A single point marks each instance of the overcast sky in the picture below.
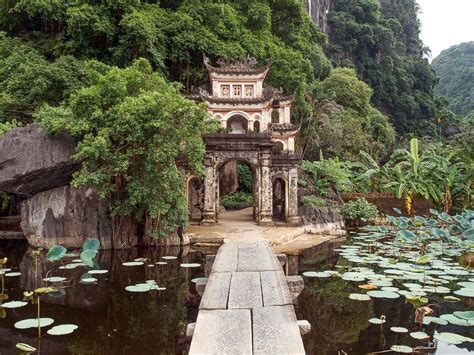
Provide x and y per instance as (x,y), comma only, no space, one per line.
(446,23)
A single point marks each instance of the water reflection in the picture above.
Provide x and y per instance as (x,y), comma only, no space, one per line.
(340,325)
(111,320)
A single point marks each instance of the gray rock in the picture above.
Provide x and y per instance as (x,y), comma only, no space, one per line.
(319,215)
(65,216)
(31,161)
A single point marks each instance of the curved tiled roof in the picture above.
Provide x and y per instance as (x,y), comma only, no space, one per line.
(245,66)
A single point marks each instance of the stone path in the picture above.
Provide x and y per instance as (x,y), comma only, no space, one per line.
(246,307)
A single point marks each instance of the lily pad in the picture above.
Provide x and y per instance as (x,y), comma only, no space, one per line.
(452,338)
(12,274)
(54,279)
(142,287)
(383,294)
(161,263)
(33,323)
(97,272)
(376,321)
(451,299)
(466,292)
(190,265)
(196,279)
(419,335)
(466,284)
(359,297)
(467,315)
(62,329)
(401,349)
(88,280)
(14,304)
(132,263)
(451,318)
(25,347)
(399,330)
(169,257)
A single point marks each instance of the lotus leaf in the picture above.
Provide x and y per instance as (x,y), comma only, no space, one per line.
(14,304)
(406,234)
(469,234)
(427,320)
(87,256)
(54,279)
(383,294)
(132,263)
(88,280)
(451,299)
(12,274)
(91,244)
(186,265)
(466,292)
(419,335)
(452,338)
(359,297)
(56,253)
(95,272)
(33,323)
(451,318)
(376,321)
(161,263)
(467,315)
(62,329)
(401,349)
(44,290)
(25,347)
(169,257)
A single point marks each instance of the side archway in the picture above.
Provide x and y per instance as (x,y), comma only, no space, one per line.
(279,199)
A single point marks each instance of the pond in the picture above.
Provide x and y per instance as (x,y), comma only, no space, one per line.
(110,319)
(341,325)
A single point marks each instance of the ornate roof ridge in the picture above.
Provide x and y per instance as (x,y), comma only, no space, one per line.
(246,65)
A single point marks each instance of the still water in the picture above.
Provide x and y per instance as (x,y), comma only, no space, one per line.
(111,320)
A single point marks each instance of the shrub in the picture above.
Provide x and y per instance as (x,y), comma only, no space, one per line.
(315,201)
(359,209)
(237,201)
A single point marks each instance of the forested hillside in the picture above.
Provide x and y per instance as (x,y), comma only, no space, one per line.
(455,69)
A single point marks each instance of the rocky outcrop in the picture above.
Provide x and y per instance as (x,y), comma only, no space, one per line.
(32,162)
(318,11)
(321,217)
(228,178)
(65,216)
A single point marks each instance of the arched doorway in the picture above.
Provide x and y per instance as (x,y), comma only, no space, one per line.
(195,198)
(256,126)
(277,148)
(237,124)
(279,199)
(237,189)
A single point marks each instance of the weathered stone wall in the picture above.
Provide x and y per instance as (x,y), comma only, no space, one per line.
(32,162)
(65,216)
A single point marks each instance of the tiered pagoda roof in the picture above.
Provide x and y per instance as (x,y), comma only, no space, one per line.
(242,66)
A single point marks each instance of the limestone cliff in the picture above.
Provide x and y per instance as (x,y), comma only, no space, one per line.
(318,10)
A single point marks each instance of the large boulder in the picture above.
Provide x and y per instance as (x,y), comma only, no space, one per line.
(31,161)
(65,216)
(319,216)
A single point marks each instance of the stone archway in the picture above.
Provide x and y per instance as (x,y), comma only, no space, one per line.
(255,150)
(237,124)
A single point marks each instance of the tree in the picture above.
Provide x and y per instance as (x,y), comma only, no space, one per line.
(132,126)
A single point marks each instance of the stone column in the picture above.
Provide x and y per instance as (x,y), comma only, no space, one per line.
(266,190)
(250,125)
(209,210)
(293,217)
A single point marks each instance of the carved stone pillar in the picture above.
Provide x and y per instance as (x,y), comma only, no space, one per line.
(293,217)
(209,210)
(266,190)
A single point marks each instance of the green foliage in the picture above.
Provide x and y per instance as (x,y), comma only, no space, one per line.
(314,200)
(132,126)
(245,178)
(381,40)
(328,174)
(359,209)
(455,69)
(8,125)
(237,200)
(342,85)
